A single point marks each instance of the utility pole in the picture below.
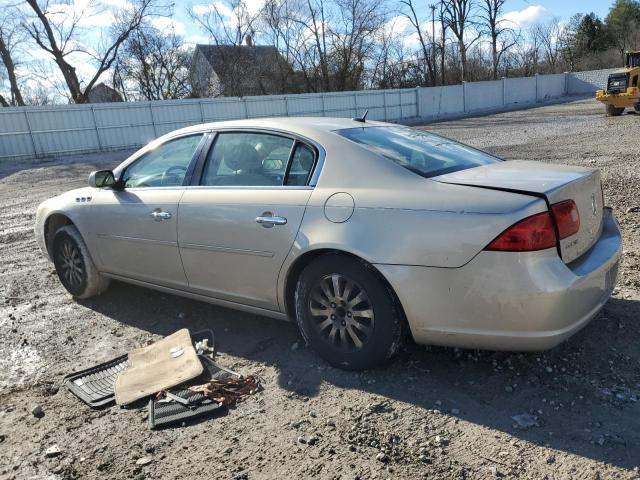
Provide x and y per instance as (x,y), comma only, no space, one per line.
(443,26)
(433,40)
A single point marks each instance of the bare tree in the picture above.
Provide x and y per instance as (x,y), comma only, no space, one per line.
(11,36)
(459,16)
(61,38)
(227,22)
(153,65)
(424,40)
(501,36)
(6,45)
(546,35)
(443,41)
(314,19)
(353,40)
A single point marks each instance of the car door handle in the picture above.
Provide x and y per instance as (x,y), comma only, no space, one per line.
(158,215)
(270,221)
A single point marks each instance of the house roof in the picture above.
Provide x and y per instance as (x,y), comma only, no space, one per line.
(246,69)
(225,58)
(102,93)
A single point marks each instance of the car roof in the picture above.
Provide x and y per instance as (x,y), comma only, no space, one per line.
(298,125)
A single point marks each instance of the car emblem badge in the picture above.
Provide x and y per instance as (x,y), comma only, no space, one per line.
(594,207)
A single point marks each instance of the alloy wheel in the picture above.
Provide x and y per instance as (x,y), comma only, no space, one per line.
(71,264)
(342,312)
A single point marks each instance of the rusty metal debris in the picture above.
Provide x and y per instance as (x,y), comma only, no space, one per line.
(228,391)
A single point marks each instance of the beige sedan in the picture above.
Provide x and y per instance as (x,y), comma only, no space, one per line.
(357,230)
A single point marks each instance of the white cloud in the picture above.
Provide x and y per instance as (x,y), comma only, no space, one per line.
(165,23)
(202,9)
(85,12)
(526,17)
(224,9)
(193,40)
(400,27)
(254,6)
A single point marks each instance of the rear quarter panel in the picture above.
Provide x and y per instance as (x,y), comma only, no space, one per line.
(398,216)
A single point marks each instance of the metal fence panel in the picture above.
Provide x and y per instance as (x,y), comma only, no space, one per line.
(483,95)
(266,106)
(216,110)
(340,104)
(51,130)
(15,139)
(306,105)
(520,90)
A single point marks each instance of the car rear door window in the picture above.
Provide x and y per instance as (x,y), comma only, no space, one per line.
(164,166)
(247,159)
(301,165)
(421,152)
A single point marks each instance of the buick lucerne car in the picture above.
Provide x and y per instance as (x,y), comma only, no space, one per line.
(357,230)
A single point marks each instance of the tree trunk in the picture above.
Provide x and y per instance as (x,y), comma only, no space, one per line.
(463,60)
(442,58)
(494,54)
(5,54)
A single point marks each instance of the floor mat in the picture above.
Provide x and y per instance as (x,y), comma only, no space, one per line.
(159,366)
(166,413)
(192,405)
(94,386)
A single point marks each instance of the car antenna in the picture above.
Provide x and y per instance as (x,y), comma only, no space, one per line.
(361,119)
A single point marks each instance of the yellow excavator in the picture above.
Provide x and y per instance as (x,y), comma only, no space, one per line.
(622,87)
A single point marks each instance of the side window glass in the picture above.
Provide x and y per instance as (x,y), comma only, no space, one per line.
(164,166)
(301,165)
(247,159)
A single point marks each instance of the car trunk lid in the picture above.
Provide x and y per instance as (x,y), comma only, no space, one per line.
(555,183)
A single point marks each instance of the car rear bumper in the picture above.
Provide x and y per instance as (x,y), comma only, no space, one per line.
(508,301)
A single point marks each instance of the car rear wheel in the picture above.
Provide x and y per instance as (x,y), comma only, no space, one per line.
(614,111)
(347,313)
(74,266)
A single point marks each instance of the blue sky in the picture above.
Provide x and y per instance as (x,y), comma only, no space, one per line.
(564,8)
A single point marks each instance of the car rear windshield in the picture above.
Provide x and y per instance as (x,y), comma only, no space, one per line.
(421,152)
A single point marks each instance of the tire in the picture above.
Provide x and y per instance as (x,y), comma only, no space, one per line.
(614,111)
(330,323)
(74,266)
(636,107)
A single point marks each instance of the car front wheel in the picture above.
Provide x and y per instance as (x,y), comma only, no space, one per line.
(74,266)
(347,313)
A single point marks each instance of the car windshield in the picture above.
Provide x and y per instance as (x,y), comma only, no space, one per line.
(421,152)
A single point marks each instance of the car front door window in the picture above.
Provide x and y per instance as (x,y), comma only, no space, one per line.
(247,159)
(165,166)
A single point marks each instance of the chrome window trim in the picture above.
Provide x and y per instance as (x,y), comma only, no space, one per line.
(320,151)
(119,170)
(249,187)
(313,181)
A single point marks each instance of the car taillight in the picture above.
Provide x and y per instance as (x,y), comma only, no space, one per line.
(533,233)
(567,218)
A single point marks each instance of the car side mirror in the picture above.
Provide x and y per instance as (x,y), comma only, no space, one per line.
(102,179)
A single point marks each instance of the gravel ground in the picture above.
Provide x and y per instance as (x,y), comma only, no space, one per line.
(431,413)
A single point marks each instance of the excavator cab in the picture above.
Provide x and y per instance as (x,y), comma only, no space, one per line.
(623,89)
